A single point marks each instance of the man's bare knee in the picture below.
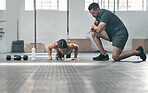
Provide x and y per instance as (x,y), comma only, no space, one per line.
(94,34)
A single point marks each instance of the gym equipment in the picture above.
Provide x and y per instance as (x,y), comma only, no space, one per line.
(16,57)
(17,46)
(68,21)
(35,24)
(68,56)
(25,57)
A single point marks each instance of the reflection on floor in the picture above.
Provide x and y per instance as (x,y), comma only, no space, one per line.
(82,76)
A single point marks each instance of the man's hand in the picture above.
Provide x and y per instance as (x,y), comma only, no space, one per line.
(92,30)
(96,23)
(94,26)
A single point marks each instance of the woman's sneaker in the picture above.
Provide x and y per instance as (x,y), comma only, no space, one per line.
(141,53)
(68,56)
(101,57)
(59,56)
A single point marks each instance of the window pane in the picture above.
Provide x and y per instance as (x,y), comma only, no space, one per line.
(45,6)
(104,4)
(41,4)
(123,5)
(62,5)
(87,2)
(53,4)
(29,4)
(135,4)
(132,5)
(2,4)
(113,5)
(119,5)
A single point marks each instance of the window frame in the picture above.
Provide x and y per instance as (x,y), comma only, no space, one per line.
(50,6)
(116,6)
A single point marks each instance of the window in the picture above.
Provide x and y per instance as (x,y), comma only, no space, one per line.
(106,4)
(119,5)
(60,5)
(3,5)
(46,4)
(136,5)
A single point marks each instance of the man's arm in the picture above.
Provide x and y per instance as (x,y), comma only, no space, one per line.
(98,28)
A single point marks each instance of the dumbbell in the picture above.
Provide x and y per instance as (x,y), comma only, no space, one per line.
(16,57)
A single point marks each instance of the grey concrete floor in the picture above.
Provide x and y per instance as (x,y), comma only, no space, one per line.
(82,76)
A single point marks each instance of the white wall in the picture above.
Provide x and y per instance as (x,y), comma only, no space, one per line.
(10,27)
(51,25)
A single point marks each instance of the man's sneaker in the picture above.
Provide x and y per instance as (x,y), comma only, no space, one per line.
(101,57)
(141,53)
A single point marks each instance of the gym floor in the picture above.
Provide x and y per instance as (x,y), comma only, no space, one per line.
(82,76)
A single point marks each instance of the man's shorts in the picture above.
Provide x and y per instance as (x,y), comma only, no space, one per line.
(119,40)
(119,37)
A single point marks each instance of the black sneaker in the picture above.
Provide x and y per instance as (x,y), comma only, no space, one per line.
(141,53)
(68,56)
(59,56)
(101,58)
